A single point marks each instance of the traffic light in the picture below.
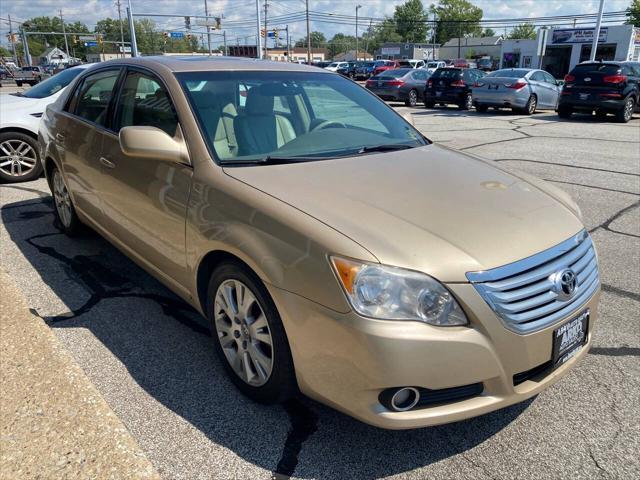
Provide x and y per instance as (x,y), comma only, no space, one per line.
(218,23)
(188,37)
(99,38)
(275,33)
(165,35)
(74,39)
(262,33)
(187,23)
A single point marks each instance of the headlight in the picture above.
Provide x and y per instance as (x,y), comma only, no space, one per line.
(390,293)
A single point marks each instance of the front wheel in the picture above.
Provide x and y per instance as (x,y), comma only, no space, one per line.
(19,159)
(412,100)
(248,334)
(481,108)
(19,84)
(429,104)
(624,115)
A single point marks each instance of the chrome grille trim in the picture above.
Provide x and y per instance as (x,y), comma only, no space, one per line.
(522,293)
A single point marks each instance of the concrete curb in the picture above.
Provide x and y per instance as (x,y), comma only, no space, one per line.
(54,423)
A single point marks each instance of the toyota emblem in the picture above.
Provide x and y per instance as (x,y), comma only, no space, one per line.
(564,283)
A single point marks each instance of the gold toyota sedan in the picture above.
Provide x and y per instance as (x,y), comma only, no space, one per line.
(333,248)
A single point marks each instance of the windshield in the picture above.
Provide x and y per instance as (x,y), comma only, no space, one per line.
(432,65)
(249,116)
(333,65)
(53,84)
(509,73)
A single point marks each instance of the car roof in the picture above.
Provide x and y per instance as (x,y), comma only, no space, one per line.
(197,63)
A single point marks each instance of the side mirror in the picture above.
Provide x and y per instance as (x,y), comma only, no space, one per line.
(151,142)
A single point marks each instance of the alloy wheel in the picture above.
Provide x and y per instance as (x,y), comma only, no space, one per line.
(628,109)
(17,158)
(413,98)
(469,102)
(243,332)
(533,103)
(62,199)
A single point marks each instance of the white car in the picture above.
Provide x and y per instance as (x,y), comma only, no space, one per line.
(336,65)
(434,65)
(19,119)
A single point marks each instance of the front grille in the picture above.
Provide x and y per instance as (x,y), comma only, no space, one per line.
(526,294)
(522,377)
(431,398)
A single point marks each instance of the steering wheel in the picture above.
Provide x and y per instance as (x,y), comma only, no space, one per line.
(328,124)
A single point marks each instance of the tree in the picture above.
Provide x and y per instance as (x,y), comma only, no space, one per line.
(39,43)
(317,40)
(524,30)
(410,19)
(633,13)
(341,43)
(488,32)
(4,52)
(456,18)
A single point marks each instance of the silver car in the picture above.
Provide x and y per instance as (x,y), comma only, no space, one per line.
(522,89)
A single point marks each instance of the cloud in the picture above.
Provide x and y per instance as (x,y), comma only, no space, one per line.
(90,11)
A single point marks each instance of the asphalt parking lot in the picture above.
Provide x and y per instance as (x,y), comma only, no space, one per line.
(149,354)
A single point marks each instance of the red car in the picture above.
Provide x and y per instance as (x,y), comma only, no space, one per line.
(383,65)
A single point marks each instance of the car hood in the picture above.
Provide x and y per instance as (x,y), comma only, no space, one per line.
(12,103)
(428,209)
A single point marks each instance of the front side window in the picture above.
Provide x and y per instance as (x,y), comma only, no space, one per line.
(291,115)
(144,102)
(94,96)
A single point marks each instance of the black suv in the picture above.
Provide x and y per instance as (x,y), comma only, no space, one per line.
(451,85)
(350,69)
(603,87)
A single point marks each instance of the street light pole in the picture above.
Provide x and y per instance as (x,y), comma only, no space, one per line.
(121,29)
(132,30)
(66,43)
(258,37)
(308,34)
(596,33)
(358,7)
(206,14)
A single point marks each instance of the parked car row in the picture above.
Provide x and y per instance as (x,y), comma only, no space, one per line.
(601,87)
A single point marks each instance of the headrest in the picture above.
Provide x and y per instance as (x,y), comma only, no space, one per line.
(259,101)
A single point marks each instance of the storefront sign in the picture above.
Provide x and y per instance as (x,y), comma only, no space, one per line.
(390,51)
(578,35)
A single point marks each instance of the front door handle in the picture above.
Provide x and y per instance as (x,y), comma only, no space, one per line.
(59,137)
(107,163)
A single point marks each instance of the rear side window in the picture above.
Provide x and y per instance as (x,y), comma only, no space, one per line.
(145,102)
(94,96)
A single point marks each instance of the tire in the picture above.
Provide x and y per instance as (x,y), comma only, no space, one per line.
(266,387)
(481,108)
(412,99)
(467,103)
(564,112)
(601,115)
(625,114)
(429,104)
(19,84)
(530,107)
(65,211)
(19,158)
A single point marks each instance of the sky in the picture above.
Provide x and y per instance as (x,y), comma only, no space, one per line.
(90,11)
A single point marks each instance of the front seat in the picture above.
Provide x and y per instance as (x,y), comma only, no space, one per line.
(259,129)
(217,118)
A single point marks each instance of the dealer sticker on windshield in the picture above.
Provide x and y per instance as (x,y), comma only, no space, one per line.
(569,338)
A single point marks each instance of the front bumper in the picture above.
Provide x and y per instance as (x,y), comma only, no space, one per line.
(346,361)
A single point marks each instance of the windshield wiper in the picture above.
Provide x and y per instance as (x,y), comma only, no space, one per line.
(272,160)
(386,148)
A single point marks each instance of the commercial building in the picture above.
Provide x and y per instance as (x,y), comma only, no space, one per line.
(472,47)
(406,51)
(566,47)
(297,54)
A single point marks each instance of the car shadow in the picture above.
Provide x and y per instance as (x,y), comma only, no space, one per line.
(165,347)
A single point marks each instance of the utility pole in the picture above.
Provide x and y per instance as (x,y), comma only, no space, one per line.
(66,43)
(121,28)
(25,46)
(435,31)
(224,37)
(358,7)
(13,43)
(258,37)
(459,36)
(266,32)
(132,30)
(366,46)
(286,29)
(308,34)
(596,33)
(206,14)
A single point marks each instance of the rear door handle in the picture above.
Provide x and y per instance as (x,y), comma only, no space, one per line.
(59,137)
(107,163)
